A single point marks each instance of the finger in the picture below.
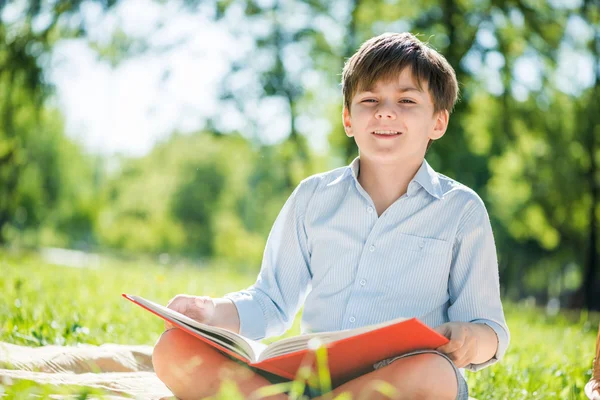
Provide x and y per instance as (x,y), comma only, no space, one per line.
(469,355)
(193,307)
(450,347)
(202,301)
(200,308)
(457,340)
(457,355)
(460,356)
(176,300)
(179,304)
(442,330)
(462,361)
(173,300)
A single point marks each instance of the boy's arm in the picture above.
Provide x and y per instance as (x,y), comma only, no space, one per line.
(474,287)
(226,315)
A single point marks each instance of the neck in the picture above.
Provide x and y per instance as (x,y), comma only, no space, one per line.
(386,183)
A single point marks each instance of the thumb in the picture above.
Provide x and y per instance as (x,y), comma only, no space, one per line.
(199,301)
(204,303)
(202,310)
(443,330)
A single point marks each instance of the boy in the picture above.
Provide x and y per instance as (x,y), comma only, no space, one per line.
(383,238)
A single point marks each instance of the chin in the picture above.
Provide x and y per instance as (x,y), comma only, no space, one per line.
(393,157)
(389,158)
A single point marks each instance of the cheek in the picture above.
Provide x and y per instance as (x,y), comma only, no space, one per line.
(418,119)
(361,115)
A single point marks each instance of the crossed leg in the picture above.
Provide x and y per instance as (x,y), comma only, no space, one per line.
(193,370)
(422,376)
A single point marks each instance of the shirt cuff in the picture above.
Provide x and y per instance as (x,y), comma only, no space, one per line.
(252,320)
(503,339)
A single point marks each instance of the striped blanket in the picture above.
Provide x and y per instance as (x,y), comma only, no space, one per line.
(118,371)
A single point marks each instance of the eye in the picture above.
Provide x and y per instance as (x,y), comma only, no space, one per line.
(407,101)
(369,101)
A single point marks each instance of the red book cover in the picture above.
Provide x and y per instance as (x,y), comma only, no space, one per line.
(347,357)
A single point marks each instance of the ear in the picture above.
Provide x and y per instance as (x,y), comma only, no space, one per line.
(441,124)
(347,123)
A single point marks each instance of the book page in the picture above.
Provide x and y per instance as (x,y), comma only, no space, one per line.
(247,348)
(298,343)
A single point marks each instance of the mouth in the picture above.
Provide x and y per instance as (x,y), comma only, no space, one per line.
(386,133)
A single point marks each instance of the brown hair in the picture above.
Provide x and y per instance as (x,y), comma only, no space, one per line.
(384,57)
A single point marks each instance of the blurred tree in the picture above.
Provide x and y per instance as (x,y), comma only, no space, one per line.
(338,139)
(590,127)
(547,161)
(71,180)
(54,196)
(274,73)
(196,201)
(184,197)
(24,40)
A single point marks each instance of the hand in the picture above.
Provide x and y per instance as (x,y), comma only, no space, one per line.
(199,308)
(463,346)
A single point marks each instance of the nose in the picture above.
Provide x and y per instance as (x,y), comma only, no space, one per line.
(384,111)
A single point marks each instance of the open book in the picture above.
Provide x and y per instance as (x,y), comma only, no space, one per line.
(349,352)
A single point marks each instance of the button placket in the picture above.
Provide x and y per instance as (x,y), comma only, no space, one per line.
(363,267)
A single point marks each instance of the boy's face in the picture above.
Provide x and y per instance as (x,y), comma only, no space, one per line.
(400,107)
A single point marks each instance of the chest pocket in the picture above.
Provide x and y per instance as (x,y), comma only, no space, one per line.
(421,245)
(419,266)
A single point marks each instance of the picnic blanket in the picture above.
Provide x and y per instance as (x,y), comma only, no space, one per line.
(123,372)
(120,371)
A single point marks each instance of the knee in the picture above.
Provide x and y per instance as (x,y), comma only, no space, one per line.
(431,362)
(432,376)
(165,350)
(172,355)
(184,364)
(162,356)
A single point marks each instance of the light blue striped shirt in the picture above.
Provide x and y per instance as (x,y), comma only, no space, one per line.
(430,255)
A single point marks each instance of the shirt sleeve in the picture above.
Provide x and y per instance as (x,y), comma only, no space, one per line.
(268,307)
(474,284)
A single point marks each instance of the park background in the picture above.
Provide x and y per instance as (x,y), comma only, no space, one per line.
(147,147)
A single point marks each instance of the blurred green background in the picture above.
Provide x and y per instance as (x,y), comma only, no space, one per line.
(207,183)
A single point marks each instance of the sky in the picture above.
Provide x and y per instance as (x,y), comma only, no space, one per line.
(127,108)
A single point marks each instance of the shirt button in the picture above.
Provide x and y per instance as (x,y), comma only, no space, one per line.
(363,282)
(422,244)
(369,209)
(352,319)
(372,248)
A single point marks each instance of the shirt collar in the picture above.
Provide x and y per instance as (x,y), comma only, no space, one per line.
(425,176)
(429,180)
(355,167)
(350,171)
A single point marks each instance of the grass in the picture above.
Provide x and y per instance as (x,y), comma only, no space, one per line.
(549,357)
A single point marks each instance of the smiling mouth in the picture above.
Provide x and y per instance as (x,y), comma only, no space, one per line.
(386,133)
